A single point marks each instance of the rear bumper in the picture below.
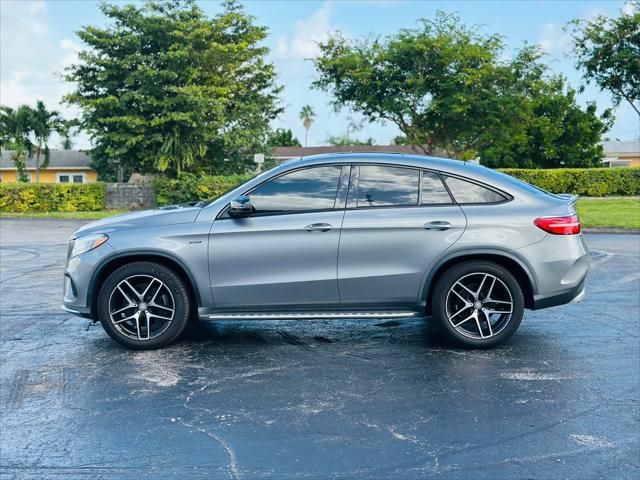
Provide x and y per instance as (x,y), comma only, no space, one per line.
(561,265)
(572,295)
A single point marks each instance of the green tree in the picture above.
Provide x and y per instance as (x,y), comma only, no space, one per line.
(282,137)
(607,50)
(447,87)
(347,138)
(67,129)
(399,140)
(551,131)
(343,141)
(307,115)
(166,88)
(15,133)
(44,123)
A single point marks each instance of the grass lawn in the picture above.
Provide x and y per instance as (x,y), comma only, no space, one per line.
(618,212)
(65,215)
(612,212)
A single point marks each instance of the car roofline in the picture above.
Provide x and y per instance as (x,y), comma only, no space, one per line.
(447,165)
(454,167)
(374,157)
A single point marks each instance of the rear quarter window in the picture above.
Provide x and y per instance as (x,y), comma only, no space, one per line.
(464,191)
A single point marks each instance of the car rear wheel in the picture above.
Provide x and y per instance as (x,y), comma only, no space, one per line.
(144,305)
(478,304)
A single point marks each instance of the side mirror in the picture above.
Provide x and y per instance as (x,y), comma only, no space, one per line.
(240,207)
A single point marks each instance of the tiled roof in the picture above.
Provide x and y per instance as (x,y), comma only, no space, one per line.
(628,146)
(58,158)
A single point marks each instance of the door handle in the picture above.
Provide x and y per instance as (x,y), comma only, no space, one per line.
(318,227)
(437,225)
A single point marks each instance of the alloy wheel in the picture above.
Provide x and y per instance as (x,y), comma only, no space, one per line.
(141,307)
(479,305)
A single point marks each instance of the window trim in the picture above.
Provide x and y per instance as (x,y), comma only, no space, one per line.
(507,197)
(352,169)
(354,186)
(223,215)
(356,193)
(71,175)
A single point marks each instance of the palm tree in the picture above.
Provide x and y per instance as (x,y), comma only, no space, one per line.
(307,115)
(67,129)
(179,151)
(15,131)
(44,123)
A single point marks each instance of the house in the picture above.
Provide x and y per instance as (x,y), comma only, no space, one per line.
(621,154)
(282,154)
(65,166)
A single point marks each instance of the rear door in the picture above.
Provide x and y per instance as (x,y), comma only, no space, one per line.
(398,221)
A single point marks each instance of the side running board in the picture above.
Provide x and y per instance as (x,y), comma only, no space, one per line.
(306,315)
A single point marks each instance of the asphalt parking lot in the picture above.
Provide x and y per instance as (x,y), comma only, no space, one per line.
(317,399)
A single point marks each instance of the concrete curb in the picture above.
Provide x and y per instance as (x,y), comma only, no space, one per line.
(615,231)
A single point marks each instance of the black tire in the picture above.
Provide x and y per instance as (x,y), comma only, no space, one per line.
(469,334)
(172,295)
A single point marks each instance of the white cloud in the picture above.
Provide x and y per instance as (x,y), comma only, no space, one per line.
(71,51)
(37,7)
(307,33)
(554,39)
(31,61)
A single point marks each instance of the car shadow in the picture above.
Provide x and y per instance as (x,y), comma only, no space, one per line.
(314,332)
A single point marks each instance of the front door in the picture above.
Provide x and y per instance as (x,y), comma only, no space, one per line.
(398,222)
(286,253)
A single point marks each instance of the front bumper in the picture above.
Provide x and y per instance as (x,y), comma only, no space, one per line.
(78,274)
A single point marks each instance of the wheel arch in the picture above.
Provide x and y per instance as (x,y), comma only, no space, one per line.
(120,259)
(514,264)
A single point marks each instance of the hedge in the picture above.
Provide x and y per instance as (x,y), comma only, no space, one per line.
(188,187)
(56,197)
(52,197)
(592,182)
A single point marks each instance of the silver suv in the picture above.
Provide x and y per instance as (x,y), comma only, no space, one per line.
(336,236)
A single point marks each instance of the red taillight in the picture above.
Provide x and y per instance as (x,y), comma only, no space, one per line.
(569,225)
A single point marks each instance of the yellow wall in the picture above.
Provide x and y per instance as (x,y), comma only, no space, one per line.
(49,175)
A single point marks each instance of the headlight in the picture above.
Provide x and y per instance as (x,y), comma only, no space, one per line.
(84,244)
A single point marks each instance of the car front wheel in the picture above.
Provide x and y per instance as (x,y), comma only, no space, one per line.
(144,305)
(478,304)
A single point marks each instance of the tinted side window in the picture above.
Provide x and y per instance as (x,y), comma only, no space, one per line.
(307,189)
(433,191)
(380,186)
(467,192)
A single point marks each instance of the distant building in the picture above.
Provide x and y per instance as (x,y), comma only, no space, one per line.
(65,166)
(621,154)
(282,154)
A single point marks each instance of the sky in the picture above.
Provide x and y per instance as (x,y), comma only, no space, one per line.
(38,41)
